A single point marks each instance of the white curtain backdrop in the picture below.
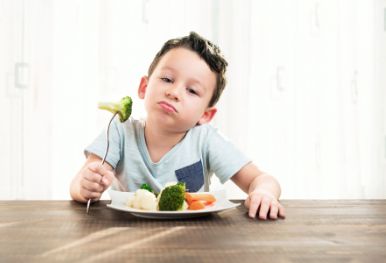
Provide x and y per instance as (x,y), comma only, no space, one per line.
(305,98)
(307,94)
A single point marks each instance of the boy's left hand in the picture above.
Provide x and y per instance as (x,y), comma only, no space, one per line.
(263,204)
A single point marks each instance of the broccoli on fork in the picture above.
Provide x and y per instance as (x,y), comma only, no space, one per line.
(123,107)
(172,198)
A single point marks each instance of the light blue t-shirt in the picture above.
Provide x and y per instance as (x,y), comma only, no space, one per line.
(200,154)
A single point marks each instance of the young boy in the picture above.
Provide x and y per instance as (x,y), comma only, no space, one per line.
(175,142)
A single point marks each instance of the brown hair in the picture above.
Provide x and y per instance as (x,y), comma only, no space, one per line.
(206,50)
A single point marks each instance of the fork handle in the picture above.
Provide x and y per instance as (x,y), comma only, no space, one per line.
(104,157)
(107,138)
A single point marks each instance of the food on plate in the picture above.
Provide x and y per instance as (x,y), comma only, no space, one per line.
(196,205)
(143,199)
(197,201)
(205,197)
(147,187)
(123,107)
(173,197)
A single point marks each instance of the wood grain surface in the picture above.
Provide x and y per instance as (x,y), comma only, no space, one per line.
(314,231)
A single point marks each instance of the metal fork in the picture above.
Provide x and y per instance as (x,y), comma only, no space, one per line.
(104,157)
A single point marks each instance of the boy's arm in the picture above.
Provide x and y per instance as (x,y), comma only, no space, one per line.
(263,192)
(92,180)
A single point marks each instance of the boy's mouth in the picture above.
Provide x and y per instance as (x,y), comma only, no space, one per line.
(167,107)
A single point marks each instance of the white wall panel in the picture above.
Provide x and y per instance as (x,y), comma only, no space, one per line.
(25,100)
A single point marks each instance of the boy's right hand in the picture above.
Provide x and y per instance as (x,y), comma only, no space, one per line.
(94,180)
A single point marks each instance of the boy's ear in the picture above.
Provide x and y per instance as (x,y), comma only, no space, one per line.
(142,87)
(208,115)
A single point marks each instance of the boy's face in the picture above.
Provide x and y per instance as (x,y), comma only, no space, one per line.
(178,92)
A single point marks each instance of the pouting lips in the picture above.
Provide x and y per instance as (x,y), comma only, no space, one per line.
(167,107)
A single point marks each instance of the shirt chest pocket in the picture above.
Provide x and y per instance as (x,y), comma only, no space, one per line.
(192,175)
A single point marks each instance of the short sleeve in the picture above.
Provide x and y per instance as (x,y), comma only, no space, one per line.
(98,146)
(223,158)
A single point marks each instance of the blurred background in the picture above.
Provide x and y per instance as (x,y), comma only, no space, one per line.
(306,97)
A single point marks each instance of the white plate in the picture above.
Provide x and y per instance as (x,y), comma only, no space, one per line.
(119,202)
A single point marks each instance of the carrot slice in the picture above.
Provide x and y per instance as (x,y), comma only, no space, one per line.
(188,198)
(207,198)
(196,205)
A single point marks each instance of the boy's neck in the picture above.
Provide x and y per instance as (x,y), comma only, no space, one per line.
(160,142)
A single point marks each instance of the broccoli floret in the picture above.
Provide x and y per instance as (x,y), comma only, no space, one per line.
(147,187)
(123,108)
(172,197)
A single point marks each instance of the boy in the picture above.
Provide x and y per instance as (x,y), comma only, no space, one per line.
(174,142)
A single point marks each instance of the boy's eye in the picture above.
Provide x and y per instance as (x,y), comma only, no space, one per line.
(167,80)
(192,91)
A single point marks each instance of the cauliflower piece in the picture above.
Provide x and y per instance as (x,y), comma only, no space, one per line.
(143,199)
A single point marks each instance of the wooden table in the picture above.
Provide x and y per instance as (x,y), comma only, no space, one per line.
(314,231)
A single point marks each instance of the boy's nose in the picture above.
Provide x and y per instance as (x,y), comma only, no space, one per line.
(173,93)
